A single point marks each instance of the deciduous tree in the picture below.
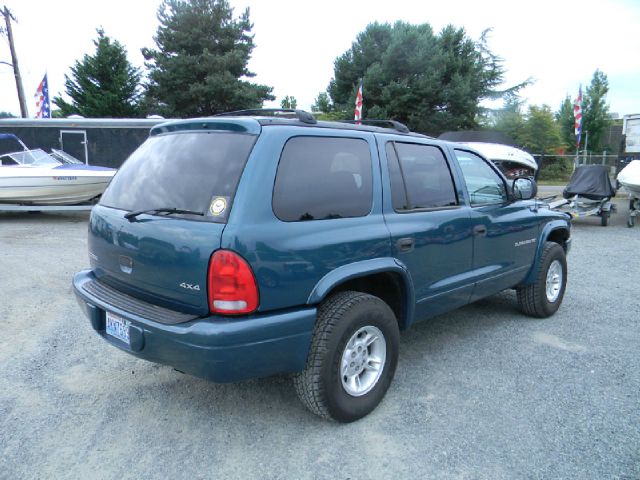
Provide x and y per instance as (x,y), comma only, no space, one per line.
(541,132)
(510,119)
(323,103)
(289,102)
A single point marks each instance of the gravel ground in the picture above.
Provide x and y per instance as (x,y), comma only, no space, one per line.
(482,392)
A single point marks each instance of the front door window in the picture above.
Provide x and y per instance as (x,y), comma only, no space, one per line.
(484,185)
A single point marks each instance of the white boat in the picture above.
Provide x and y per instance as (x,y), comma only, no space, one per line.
(512,161)
(35,177)
(629,178)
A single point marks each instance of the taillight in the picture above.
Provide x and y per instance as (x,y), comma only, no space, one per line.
(232,287)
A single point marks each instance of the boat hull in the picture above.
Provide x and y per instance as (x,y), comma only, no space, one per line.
(33,186)
(631,188)
(629,178)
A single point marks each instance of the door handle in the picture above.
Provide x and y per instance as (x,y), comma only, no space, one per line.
(480,230)
(405,244)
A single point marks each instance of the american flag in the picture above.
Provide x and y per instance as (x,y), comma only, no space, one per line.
(577,114)
(357,116)
(43,108)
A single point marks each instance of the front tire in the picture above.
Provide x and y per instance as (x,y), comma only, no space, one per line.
(352,359)
(543,298)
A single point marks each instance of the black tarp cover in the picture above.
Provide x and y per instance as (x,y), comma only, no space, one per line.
(590,181)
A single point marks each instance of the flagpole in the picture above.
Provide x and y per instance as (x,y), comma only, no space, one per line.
(577,115)
(357,116)
(586,146)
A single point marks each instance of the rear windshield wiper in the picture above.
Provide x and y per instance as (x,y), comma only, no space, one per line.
(131,216)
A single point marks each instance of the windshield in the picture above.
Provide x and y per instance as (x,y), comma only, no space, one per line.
(186,171)
(37,157)
(64,157)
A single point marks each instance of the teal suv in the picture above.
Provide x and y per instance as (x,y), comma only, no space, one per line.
(266,242)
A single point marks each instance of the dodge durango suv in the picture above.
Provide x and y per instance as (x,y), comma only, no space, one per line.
(252,244)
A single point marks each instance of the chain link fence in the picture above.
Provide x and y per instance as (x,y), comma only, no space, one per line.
(558,168)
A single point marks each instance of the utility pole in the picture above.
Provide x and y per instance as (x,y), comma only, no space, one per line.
(8,16)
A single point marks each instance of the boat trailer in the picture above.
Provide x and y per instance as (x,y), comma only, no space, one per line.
(578,207)
(634,210)
(589,192)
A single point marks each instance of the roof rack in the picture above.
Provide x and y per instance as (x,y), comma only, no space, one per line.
(301,115)
(400,127)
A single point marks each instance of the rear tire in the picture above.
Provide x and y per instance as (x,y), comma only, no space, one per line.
(345,377)
(543,298)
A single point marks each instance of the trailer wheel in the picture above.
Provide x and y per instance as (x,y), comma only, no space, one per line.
(604,217)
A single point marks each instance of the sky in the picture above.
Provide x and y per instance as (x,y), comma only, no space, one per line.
(559,44)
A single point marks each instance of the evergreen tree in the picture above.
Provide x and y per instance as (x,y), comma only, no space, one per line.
(102,85)
(595,113)
(432,82)
(201,59)
(566,125)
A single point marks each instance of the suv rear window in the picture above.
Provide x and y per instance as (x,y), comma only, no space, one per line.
(323,177)
(181,170)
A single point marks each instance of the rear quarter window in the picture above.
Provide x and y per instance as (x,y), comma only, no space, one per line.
(321,178)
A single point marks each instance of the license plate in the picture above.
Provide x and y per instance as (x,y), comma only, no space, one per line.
(118,328)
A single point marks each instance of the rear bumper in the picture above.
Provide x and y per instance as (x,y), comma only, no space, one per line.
(220,349)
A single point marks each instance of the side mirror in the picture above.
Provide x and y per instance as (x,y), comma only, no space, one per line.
(524,188)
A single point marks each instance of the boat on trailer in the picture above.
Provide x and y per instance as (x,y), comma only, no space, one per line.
(34,177)
(589,192)
(629,178)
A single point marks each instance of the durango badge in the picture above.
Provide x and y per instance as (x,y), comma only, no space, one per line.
(218,206)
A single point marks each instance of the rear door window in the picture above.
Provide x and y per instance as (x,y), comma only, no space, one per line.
(321,178)
(196,171)
(420,177)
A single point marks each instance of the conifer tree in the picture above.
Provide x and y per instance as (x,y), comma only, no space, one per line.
(102,85)
(199,67)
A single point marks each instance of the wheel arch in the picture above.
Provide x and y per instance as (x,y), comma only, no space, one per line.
(386,278)
(557,231)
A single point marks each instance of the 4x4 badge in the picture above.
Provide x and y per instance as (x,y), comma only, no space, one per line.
(189,286)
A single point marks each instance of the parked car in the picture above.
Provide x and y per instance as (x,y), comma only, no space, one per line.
(244,246)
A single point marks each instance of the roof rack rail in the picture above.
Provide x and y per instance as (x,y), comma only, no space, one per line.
(301,115)
(400,127)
